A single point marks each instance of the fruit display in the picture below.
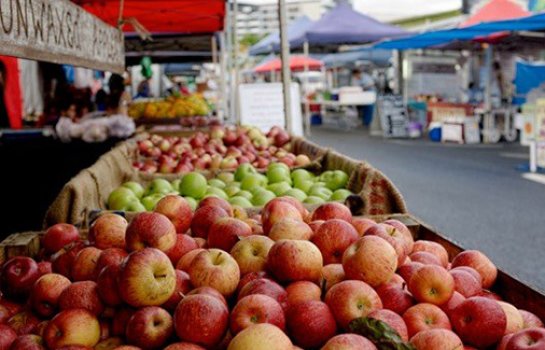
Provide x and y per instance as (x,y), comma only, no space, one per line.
(223,148)
(170,107)
(245,187)
(219,277)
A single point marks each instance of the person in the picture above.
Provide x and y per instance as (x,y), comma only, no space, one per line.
(143,90)
(363,79)
(4,118)
(118,99)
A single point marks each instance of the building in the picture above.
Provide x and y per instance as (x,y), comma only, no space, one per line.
(262,19)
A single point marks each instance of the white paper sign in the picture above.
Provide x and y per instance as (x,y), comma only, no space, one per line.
(262,105)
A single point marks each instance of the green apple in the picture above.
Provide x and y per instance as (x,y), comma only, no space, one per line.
(300,175)
(320,191)
(192,203)
(251,181)
(226,177)
(176,185)
(279,188)
(135,187)
(314,200)
(278,174)
(118,195)
(245,194)
(160,186)
(262,198)
(150,201)
(243,170)
(136,206)
(121,203)
(304,185)
(334,179)
(193,185)
(296,193)
(231,190)
(340,195)
(216,183)
(278,165)
(240,201)
(214,191)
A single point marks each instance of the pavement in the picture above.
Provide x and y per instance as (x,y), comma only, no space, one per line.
(473,194)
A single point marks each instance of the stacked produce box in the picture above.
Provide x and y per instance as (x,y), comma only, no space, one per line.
(282,245)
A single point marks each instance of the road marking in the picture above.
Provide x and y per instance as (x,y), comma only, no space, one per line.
(515,155)
(534,177)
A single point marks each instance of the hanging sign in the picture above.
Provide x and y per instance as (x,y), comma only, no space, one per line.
(59,32)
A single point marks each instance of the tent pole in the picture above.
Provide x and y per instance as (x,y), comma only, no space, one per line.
(285,58)
(214,48)
(228,63)
(235,63)
(488,96)
(223,82)
(305,84)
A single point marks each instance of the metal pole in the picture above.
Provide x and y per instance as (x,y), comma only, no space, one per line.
(487,123)
(223,81)
(305,96)
(214,46)
(285,57)
(235,64)
(228,63)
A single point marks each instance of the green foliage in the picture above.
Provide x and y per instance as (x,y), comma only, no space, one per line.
(382,335)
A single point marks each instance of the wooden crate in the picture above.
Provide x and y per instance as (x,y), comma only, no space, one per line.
(25,243)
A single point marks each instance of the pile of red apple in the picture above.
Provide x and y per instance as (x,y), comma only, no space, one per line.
(286,279)
(224,148)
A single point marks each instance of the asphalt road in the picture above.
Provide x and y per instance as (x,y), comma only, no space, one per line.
(474,194)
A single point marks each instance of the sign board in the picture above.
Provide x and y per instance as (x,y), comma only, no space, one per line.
(262,105)
(59,32)
(540,136)
(393,116)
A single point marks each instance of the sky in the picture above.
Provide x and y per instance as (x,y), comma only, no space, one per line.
(387,10)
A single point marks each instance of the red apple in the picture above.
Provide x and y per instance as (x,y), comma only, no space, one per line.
(290,200)
(151,230)
(177,210)
(393,320)
(362,224)
(301,291)
(394,297)
(331,275)
(351,299)
(217,269)
(45,267)
(433,339)
(267,287)
(120,320)
(254,309)
(295,260)
(407,270)
(267,336)
(72,327)
(249,277)
(434,248)
(465,283)
(528,339)
(349,342)
(210,292)
(82,295)
(63,260)
(186,259)
(7,336)
(85,263)
(278,210)
(147,278)
(455,300)
(311,323)
(431,284)
(198,312)
(425,258)
(226,232)
(184,346)
(370,259)
(183,286)
(251,253)
(45,294)
(204,218)
(27,342)
(480,262)
(530,320)
(314,225)
(214,201)
(393,236)
(17,276)
(23,322)
(59,235)
(184,244)
(149,327)
(107,286)
(479,321)
(108,231)
(332,210)
(332,238)
(290,229)
(110,256)
(425,316)
(515,322)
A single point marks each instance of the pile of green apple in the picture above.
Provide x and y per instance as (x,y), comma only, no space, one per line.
(246,187)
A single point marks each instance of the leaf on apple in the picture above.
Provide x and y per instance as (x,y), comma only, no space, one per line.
(381,334)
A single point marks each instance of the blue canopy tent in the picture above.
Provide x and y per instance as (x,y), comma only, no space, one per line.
(378,57)
(345,26)
(529,75)
(478,31)
(271,43)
